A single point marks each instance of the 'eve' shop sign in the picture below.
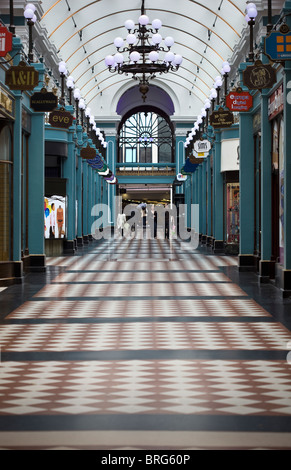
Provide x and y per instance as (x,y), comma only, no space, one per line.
(21,77)
(61,119)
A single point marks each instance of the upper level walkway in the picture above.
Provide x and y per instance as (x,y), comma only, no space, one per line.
(141,344)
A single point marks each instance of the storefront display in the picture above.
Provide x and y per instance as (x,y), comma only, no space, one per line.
(55,217)
(281,192)
(276,107)
(232,213)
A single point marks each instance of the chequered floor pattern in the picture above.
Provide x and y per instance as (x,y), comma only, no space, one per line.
(140,339)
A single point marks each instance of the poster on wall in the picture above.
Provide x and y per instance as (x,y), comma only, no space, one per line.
(55,217)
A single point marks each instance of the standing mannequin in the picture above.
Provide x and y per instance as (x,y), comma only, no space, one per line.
(60,221)
(52,222)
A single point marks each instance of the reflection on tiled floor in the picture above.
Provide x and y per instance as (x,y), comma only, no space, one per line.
(142,345)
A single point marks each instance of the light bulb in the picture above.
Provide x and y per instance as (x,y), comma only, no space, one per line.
(129,24)
(178,59)
(157,38)
(30,6)
(82,104)
(252,13)
(62,68)
(154,56)
(169,57)
(143,20)
(131,39)
(135,56)
(226,67)
(109,60)
(169,41)
(156,24)
(28,14)
(77,94)
(119,59)
(118,42)
(70,84)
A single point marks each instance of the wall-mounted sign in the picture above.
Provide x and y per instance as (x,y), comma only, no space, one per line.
(278,44)
(276,103)
(221,118)
(239,100)
(5,41)
(61,118)
(259,76)
(43,101)
(181,177)
(21,77)
(88,153)
(202,146)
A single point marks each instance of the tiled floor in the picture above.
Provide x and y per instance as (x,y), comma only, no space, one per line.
(142,345)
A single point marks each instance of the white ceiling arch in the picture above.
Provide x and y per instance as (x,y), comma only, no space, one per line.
(205,33)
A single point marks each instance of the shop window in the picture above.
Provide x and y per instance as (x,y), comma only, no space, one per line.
(5,194)
(232,213)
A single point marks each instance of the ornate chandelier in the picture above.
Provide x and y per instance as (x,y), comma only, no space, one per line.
(143,45)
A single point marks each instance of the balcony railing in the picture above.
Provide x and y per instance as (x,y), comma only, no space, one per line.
(149,169)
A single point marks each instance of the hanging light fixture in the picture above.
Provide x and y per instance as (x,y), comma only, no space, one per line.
(143,45)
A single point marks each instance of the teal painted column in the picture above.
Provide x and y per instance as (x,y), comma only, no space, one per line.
(85,194)
(204,199)
(17,187)
(218,197)
(17,157)
(209,232)
(200,199)
(79,186)
(246,260)
(90,201)
(286,284)
(69,168)
(36,167)
(111,157)
(265,264)
(180,157)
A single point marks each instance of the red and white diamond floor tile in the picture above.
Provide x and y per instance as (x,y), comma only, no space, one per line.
(140,290)
(140,336)
(161,387)
(138,308)
(154,387)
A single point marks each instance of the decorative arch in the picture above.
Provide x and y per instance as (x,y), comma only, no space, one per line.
(157,97)
(146,135)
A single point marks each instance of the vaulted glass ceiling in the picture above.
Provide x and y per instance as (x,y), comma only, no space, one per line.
(205,34)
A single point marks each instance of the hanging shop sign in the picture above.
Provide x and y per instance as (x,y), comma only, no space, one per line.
(276,103)
(221,118)
(278,44)
(259,76)
(202,146)
(21,77)
(61,119)
(43,101)
(196,161)
(239,101)
(88,153)
(5,41)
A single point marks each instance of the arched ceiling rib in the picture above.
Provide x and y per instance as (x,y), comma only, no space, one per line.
(205,33)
